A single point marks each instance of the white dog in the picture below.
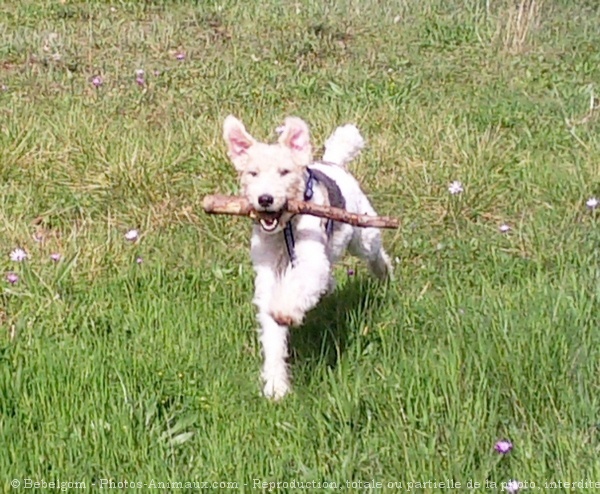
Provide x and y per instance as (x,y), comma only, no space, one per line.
(293,255)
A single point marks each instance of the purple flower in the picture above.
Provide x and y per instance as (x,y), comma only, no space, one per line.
(139,77)
(180,56)
(503,447)
(512,486)
(97,81)
(55,257)
(12,278)
(350,272)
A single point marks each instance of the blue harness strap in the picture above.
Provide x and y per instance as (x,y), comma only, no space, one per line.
(288,235)
(288,232)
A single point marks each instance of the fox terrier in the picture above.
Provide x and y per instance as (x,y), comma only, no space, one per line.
(293,255)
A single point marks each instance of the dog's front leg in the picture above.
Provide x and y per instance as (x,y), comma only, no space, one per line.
(303,283)
(273,337)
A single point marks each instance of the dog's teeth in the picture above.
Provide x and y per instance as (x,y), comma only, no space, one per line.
(269,225)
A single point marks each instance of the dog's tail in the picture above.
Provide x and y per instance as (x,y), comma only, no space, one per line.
(343,145)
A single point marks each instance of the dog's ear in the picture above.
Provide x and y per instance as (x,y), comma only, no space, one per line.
(296,137)
(238,141)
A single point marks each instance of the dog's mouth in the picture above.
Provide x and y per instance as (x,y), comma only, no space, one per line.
(268,221)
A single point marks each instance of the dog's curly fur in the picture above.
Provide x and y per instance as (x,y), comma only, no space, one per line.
(270,175)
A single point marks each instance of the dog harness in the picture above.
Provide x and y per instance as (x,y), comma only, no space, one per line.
(335,199)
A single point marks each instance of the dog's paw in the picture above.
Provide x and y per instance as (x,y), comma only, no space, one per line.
(276,387)
(287,318)
(285,310)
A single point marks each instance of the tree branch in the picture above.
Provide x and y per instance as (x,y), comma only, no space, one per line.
(239,206)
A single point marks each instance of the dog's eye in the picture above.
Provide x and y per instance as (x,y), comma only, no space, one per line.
(283,173)
(252,174)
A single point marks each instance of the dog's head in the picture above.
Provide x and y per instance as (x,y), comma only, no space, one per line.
(270,174)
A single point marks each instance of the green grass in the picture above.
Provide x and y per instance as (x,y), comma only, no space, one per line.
(111,369)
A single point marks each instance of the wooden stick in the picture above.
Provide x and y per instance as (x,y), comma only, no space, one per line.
(239,206)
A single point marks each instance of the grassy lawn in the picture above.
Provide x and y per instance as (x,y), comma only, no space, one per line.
(138,361)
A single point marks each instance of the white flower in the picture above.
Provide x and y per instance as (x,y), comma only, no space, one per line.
(139,73)
(455,187)
(280,129)
(592,203)
(512,487)
(397,19)
(18,255)
(504,228)
(132,235)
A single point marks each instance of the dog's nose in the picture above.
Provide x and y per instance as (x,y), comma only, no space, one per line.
(265,200)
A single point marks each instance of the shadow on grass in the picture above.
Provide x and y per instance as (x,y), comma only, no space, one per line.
(335,322)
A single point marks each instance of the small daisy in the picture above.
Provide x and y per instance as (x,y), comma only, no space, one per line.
(18,255)
(97,81)
(397,19)
(139,73)
(455,187)
(132,235)
(180,56)
(512,487)
(139,260)
(592,203)
(55,257)
(504,228)
(12,278)
(503,446)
